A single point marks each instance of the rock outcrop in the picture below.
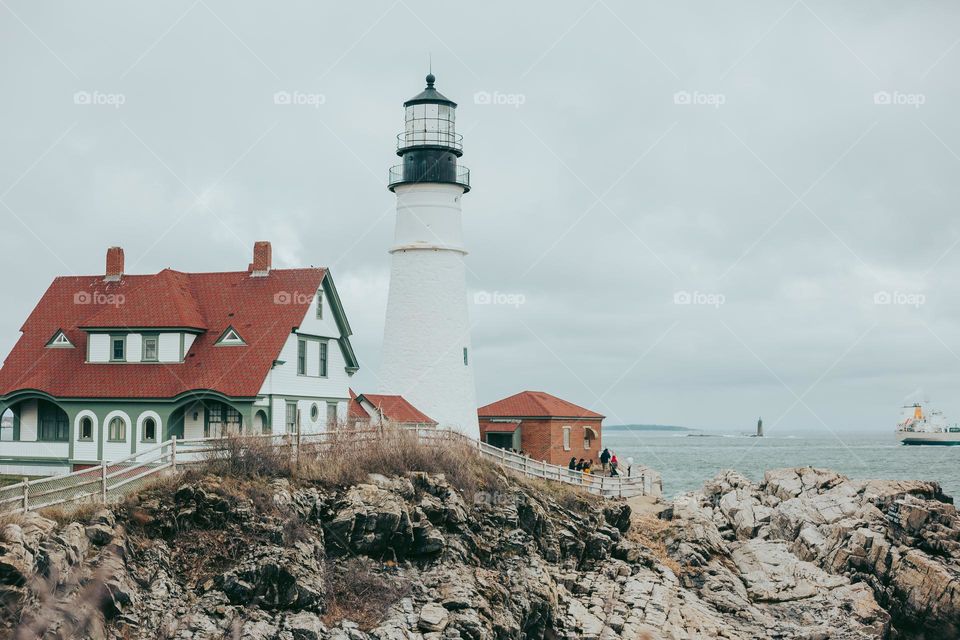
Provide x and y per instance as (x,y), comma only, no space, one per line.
(806,554)
(810,531)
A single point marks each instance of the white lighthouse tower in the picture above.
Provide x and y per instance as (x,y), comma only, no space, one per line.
(426,341)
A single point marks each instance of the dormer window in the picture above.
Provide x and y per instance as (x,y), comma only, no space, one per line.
(151,349)
(118,348)
(230,338)
(60,341)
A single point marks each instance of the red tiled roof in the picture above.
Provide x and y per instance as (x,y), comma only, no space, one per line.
(396,409)
(207,301)
(163,300)
(354,410)
(535,404)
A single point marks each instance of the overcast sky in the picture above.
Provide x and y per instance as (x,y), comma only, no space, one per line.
(790,168)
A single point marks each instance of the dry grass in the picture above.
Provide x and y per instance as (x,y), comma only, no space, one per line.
(568,496)
(71,512)
(348,460)
(245,457)
(649,531)
(360,592)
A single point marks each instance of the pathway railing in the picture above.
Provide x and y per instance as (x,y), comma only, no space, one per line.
(114,479)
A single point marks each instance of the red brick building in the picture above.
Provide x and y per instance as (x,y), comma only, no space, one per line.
(543,426)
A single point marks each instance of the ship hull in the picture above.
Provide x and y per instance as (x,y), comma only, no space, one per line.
(919,438)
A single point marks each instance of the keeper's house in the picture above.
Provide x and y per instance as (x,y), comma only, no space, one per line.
(107,365)
(543,426)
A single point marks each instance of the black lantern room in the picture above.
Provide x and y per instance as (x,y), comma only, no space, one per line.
(430,144)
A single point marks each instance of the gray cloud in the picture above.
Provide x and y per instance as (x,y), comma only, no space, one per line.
(782,185)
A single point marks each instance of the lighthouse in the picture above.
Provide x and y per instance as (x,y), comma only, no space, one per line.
(426,339)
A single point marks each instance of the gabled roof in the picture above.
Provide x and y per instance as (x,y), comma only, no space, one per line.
(208,303)
(535,404)
(392,408)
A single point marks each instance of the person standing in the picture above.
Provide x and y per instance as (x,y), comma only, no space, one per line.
(614,463)
(605,458)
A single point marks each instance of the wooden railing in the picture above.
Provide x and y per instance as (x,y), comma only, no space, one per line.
(116,478)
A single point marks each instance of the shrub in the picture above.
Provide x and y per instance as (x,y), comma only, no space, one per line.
(349,457)
(359,591)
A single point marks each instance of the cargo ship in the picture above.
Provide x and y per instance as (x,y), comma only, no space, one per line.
(921,427)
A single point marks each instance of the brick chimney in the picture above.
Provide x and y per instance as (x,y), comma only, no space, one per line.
(114,264)
(262,259)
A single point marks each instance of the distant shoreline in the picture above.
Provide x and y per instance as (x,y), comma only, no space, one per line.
(645,427)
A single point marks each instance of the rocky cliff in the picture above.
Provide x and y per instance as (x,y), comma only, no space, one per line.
(807,554)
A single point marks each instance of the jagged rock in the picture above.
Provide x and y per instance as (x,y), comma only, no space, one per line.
(278,578)
(433,617)
(805,554)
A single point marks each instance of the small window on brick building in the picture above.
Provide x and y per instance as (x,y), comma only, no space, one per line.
(588,437)
(566,438)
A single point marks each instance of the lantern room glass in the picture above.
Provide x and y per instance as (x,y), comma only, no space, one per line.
(430,125)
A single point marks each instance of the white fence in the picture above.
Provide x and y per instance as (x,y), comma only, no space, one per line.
(114,479)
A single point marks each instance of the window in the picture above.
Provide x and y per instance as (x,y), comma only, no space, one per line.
(149,430)
(6,426)
(230,338)
(86,429)
(588,436)
(301,357)
(117,430)
(53,426)
(331,414)
(150,353)
(291,417)
(232,419)
(61,341)
(566,438)
(118,348)
(319,304)
(466,360)
(214,426)
(323,359)
(314,412)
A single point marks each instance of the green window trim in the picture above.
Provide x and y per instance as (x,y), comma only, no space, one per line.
(319,304)
(290,419)
(155,339)
(323,358)
(122,430)
(301,356)
(114,339)
(143,431)
(80,437)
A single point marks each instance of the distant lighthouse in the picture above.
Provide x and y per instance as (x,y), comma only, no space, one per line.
(759,427)
(426,340)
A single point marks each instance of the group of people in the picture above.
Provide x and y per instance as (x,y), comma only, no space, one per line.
(608,464)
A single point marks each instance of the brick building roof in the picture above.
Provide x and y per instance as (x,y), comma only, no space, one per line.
(535,404)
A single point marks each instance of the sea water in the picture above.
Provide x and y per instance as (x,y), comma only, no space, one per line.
(686,459)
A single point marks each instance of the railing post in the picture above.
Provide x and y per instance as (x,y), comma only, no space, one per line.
(173,453)
(544,467)
(26,495)
(103,482)
(601,486)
